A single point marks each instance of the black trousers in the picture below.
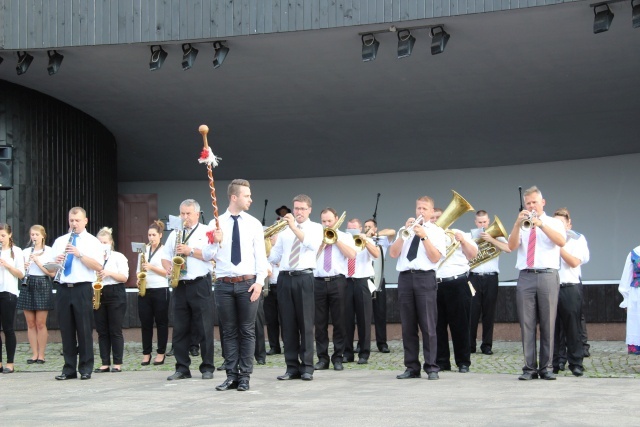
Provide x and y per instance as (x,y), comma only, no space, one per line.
(75,310)
(193,309)
(272,317)
(8,302)
(109,318)
(297,310)
(454,302)
(417,295)
(238,319)
(261,349)
(154,308)
(330,298)
(358,306)
(379,303)
(568,342)
(483,303)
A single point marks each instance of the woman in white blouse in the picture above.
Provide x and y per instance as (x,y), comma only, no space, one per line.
(113,304)
(11,271)
(36,293)
(154,306)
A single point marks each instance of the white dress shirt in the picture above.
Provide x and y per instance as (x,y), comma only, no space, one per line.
(491,266)
(579,249)
(253,257)
(457,263)
(154,280)
(624,287)
(89,246)
(313,234)
(547,253)
(198,240)
(338,260)
(275,270)
(364,263)
(422,262)
(9,283)
(45,257)
(115,262)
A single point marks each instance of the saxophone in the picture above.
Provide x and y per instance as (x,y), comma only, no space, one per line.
(142,276)
(178,261)
(97,291)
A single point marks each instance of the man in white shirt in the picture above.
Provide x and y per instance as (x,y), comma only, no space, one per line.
(241,269)
(79,252)
(538,248)
(568,342)
(296,251)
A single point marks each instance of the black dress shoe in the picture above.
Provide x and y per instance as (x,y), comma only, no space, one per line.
(357,349)
(7,371)
(577,371)
(463,369)
(228,384)
(408,374)
(102,370)
(546,375)
(306,377)
(170,352)
(337,365)
(273,351)
(31,361)
(85,376)
(178,376)
(346,359)
(289,376)
(261,362)
(526,376)
(222,367)
(156,363)
(488,352)
(472,351)
(585,352)
(321,365)
(384,349)
(63,377)
(194,352)
(207,375)
(433,376)
(243,384)
(362,361)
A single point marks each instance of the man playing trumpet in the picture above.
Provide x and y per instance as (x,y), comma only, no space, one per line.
(418,257)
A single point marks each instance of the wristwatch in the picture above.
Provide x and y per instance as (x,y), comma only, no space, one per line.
(191,253)
(422,239)
(80,255)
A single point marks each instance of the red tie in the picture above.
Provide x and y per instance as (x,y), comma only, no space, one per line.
(352,267)
(531,248)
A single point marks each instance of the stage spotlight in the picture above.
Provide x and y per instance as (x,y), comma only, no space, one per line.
(157,57)
(405,43)
(24,60)
(635,15)
(602,20)
(369,47)
(221,53)
(189,54)
(55,60)
(438,40)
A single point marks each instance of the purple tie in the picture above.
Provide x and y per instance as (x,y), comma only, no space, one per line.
(327,257)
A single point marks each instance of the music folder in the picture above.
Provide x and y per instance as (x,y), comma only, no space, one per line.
(138,247)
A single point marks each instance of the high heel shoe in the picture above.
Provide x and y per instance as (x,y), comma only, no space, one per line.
(102,370)
(156,363)
(147,362)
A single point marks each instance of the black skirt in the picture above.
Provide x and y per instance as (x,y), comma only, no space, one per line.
(37,295)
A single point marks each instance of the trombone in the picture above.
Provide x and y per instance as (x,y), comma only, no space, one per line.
(331,233)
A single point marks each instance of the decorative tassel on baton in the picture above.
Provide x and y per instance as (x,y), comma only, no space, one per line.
(211,160)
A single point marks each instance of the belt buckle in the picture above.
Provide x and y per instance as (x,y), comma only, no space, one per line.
(70,285)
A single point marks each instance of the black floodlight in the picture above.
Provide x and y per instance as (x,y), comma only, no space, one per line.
(158,55)
(189,54)
(405,43)
(24,60)
(221,53)
(635,15)
(55,60)
(602,19)
(369,47)
(438,40)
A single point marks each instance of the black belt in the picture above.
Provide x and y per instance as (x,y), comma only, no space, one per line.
(449,279)
(330,278)
(297,272)
(412,271)
(565,285)
(237,279)
(540,270)
(72,285)
(492,273)
(186,282)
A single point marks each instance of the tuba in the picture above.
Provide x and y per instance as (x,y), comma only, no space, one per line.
(487,251)
(142,276)
(178,260)
(331,233)
(457,207)
(272,230)
(97,291)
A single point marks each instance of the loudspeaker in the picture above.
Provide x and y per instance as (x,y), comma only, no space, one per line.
(6,168)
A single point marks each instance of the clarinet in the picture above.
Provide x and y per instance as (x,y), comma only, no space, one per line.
(66,255)
(32,246)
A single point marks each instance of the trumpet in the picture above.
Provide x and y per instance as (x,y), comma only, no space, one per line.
(331,233)
(177,260)
(97,291)
(142,276)
(272,230)
(407,232)
(359,242)
(527,223)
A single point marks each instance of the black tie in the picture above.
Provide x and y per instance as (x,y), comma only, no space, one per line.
(235,242)
(413,249)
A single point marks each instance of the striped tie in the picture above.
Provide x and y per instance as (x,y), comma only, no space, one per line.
(327,257)
(351,264)
(294,257)
(531,248)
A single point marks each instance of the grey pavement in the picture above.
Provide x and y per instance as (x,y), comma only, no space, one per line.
(361,394)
